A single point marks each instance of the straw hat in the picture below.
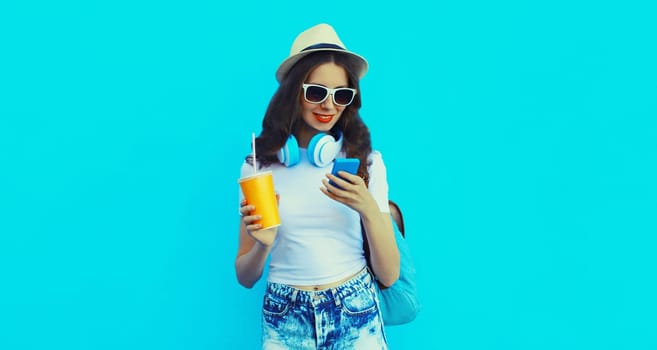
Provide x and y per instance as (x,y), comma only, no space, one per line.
(321,37)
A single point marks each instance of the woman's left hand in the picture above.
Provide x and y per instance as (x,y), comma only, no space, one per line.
(351,192)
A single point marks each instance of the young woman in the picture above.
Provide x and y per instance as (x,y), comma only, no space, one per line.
(320,293)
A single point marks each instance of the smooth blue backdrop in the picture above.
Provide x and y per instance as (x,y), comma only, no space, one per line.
(532,126)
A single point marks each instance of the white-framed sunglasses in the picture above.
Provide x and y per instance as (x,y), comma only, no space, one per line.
(317,94)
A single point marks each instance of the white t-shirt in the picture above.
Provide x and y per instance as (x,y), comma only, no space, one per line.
(319,240)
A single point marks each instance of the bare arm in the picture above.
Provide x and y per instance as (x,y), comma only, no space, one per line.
(254,247)
(384,254)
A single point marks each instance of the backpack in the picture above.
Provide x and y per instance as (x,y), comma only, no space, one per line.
(398,303)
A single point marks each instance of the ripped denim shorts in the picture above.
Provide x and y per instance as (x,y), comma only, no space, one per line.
(342,317)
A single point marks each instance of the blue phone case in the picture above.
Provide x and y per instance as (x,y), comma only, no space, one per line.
(349,165)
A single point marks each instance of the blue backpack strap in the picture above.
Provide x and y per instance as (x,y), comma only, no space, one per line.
(396,213)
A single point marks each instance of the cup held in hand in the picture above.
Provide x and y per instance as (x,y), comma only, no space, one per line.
(258,190)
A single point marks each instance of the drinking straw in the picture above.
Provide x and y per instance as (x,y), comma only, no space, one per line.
(254,154)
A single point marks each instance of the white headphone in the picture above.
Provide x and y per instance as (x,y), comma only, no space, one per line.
(322,150)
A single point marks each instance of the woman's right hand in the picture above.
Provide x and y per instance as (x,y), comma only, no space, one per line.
(266,236)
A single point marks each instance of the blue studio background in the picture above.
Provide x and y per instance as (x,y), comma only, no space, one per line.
(532,124)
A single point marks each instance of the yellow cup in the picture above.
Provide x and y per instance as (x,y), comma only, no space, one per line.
(258,190)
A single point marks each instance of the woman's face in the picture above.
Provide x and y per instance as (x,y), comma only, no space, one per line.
(323,116)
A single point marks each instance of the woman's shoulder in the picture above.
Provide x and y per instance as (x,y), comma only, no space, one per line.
(375,161)
(375,153)
(247,168)
(375,156)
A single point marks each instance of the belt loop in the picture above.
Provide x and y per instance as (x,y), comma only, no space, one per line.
(370,277)
(367,278)
(293,297)
(336,297)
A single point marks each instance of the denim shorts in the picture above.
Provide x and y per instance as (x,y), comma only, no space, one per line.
(342,317)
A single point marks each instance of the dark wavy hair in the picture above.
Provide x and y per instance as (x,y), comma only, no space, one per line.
(283,115)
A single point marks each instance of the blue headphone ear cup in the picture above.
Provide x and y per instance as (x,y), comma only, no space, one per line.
(289,153)
(315,147)
(322,149)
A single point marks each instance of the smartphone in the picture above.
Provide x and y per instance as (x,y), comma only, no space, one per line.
(349,165)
